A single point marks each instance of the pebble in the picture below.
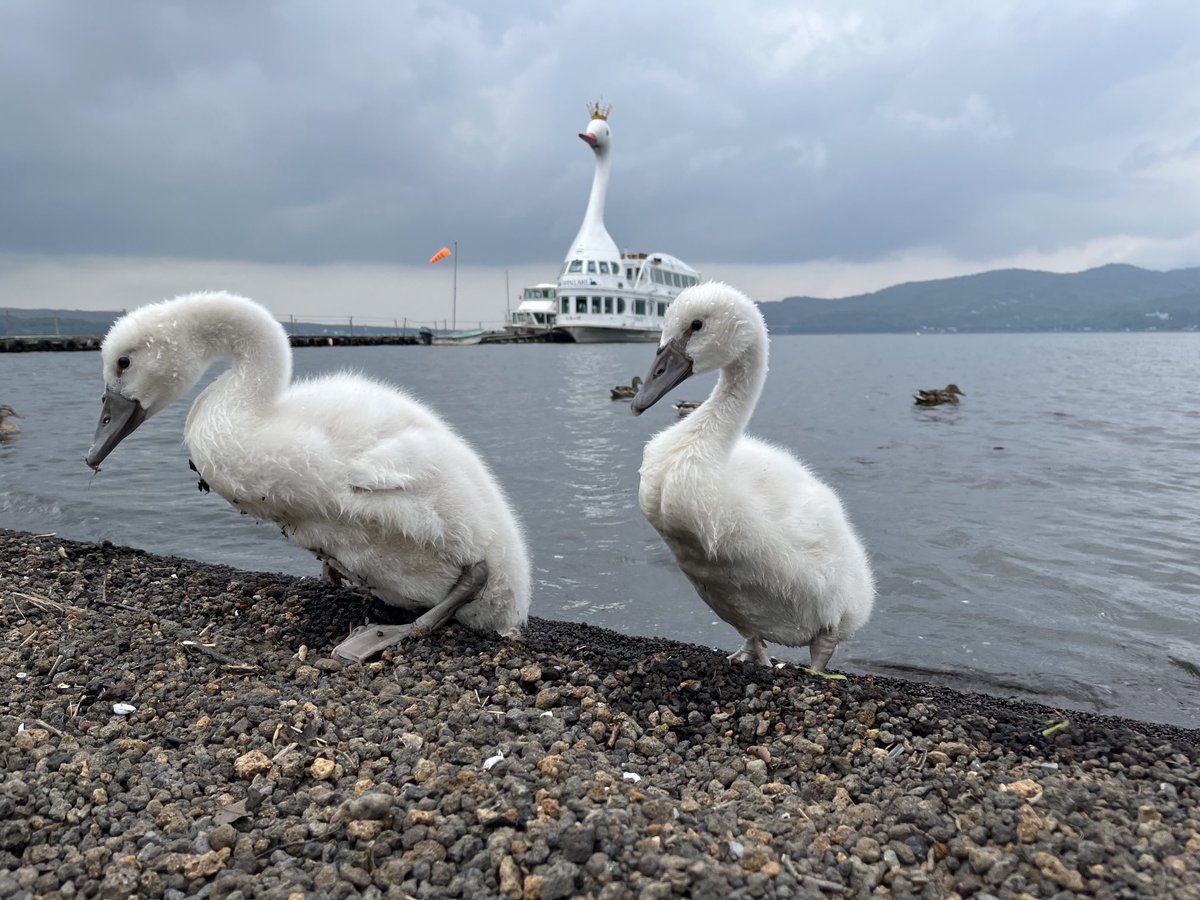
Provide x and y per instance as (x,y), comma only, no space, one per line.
(572,762)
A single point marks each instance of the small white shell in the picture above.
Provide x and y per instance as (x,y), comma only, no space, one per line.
(631,776)
(493,760)
(124,709)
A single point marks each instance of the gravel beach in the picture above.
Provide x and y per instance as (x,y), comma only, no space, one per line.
(175,729)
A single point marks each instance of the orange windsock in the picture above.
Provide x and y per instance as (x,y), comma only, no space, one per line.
(441,254)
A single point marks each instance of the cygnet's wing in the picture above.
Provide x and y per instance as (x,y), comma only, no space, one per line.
(383,454)
(404,462)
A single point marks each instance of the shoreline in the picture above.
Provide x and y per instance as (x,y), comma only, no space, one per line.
(255,764)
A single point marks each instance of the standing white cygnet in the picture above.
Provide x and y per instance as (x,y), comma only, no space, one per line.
(368,479)
(765,543)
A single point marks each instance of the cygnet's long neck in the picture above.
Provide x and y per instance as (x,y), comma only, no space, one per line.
(229,326)
(717,424)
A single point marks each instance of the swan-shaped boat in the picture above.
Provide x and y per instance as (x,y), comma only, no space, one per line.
(368,479)
(937,396)
(765,543)
(604,295)
(8,429)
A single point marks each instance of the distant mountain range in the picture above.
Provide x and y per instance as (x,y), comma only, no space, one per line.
(1109,298)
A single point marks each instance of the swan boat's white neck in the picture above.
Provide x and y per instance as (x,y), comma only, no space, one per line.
(593,239)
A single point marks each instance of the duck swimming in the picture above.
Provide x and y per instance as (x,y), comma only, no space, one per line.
(765,543)
(627,391)
(368,479)
(7,428)
(684,407)
(937,396)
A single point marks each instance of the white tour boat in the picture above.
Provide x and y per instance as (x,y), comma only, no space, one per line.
(605,295)
(536,311)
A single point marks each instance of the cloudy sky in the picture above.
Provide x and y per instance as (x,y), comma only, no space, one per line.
(314,154)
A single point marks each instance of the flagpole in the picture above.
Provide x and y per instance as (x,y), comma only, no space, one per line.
(454,301)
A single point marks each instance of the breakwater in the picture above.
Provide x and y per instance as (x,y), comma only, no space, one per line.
(43,343)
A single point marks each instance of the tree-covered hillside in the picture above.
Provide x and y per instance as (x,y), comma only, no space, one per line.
(1108,298)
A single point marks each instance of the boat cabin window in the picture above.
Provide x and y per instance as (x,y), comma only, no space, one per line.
(596,306)
(580,305)
(591,267)
(639,307)
(629,273)
(576,266)
(608,307)
(620,306)
(565,306)
(603,267)
(662,309)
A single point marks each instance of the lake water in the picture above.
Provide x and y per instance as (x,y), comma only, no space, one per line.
(1040,540)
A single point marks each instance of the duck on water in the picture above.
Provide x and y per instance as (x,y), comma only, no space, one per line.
(765,543)
(937,396)
(627,391)
(8,429)
(368,479)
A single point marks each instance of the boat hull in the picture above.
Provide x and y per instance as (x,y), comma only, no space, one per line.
(610,334)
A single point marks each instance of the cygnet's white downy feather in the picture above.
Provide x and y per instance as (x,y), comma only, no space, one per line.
(765,542)
(367,478)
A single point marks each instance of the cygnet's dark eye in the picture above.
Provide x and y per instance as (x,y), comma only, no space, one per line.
(697,324)
(123,363)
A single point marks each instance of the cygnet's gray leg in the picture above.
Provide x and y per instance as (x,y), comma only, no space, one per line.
(820,649)
(372,639)
(752,650)
(330,574)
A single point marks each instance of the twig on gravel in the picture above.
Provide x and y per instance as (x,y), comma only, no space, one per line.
(42,603)
(225,659)
(612,738)
(329,832)
(48,727)
(149,616)
(54,668)
(811,880)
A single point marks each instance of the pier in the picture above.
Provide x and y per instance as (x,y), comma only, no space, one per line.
(32,343)
(43,343)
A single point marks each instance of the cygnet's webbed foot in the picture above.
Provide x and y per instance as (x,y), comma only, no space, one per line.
(820,649)
(330,574)
(753,650)
(371,639)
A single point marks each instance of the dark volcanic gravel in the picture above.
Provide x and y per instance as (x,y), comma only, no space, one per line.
(575,762)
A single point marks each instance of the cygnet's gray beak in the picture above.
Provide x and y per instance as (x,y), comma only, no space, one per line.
(671,366)
(119,417)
